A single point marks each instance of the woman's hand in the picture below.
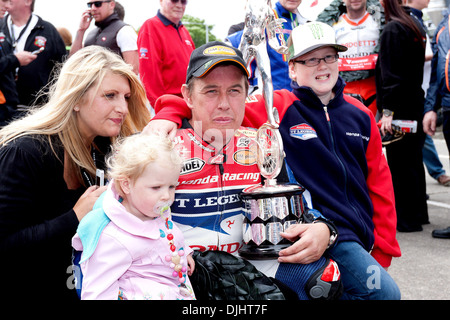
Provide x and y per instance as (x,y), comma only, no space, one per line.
(312,241)
(87,201)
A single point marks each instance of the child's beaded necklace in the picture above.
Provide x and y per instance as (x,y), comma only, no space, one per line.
(174,258)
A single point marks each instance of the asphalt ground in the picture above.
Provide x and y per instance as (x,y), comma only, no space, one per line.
(423,270)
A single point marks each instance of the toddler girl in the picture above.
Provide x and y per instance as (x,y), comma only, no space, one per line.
(131,248)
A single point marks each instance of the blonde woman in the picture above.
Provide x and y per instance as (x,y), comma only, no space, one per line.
(48,162)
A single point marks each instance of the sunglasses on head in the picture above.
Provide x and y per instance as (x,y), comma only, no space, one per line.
(183,2)
(97,4)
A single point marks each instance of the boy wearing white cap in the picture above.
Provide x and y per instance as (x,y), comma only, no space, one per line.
(333,148)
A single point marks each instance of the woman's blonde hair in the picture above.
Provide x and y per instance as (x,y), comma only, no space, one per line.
(81,72)
(131,155)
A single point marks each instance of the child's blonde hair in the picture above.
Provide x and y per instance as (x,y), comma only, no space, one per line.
(131,155)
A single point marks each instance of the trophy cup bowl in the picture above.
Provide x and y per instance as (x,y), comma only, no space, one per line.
(269,210)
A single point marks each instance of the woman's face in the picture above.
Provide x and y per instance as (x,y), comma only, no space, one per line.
(103,111)
(321,78)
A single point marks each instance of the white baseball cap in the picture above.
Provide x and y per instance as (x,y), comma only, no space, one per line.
(311,36)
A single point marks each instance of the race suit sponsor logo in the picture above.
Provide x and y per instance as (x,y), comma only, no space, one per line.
(192,165)
(244,157)
(213,179)
(358,63)
(227,247)
(216,209)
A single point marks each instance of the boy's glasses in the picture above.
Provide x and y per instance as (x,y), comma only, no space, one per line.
(315,61)
(183,2)
(97,4)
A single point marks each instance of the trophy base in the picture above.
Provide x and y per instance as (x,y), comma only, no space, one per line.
(261,252)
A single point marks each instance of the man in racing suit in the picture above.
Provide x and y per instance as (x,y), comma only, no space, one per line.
(358,28)
(221,162)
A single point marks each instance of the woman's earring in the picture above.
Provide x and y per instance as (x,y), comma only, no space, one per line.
(76,109)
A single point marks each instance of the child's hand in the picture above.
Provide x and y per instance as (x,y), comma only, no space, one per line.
(191,264)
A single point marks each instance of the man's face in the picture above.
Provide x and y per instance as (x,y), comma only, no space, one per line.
(102,12)
(4,6)
(217,101)
(290,5)
(355,5)
(172,11)
(19,6)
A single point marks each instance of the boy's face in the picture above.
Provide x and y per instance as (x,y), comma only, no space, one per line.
(321,78)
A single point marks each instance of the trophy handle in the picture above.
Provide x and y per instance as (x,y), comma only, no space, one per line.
(270,154)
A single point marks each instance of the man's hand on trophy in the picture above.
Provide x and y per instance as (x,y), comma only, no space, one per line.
(311,241)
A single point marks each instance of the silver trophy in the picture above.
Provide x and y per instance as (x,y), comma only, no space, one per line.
(270,208)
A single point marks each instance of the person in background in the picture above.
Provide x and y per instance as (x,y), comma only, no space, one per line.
(165,46)
(430,156)
(358,24)
(24,30)
(399,78)
(143,172)
(9,62)
(120,10)
(110,32)
(48,164)
(288,10)
(438,93)
(67,38)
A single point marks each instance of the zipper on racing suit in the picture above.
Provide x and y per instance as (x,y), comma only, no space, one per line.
(220,207)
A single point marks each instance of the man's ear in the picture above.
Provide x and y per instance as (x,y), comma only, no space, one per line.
(187,96)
